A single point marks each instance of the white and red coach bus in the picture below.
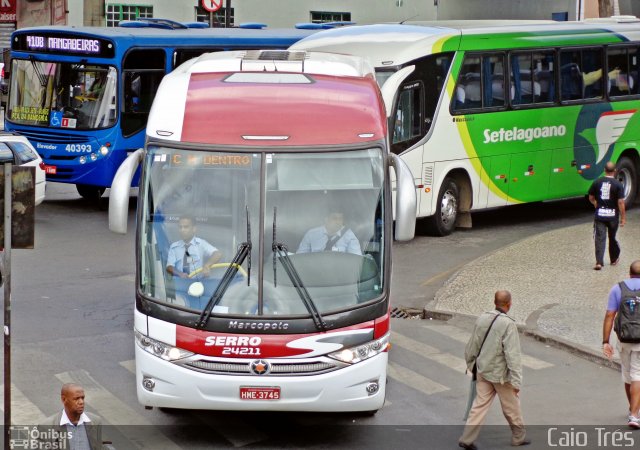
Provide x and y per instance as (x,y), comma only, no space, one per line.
(256,148)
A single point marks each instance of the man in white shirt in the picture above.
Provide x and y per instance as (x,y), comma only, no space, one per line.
(330,237)
(75,428)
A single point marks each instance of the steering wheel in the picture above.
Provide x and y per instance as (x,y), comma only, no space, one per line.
(218,265)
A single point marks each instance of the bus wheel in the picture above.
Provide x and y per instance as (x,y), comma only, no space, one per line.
(627,175)
(443,221)
(89,192)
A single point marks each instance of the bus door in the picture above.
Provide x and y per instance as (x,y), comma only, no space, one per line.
(142,71)
(391,95)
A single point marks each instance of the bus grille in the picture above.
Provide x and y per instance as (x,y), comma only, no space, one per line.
(277,368)
(54,138)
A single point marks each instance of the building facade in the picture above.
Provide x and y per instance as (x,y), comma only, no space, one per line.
(286,13)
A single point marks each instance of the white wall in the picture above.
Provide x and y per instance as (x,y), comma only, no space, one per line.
(286,13)
(75,16)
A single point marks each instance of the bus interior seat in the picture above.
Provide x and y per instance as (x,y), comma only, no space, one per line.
(530,91)
(497,90)
(460,97)
(473,94)
(544,80)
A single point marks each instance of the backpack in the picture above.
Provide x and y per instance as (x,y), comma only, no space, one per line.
(627,321)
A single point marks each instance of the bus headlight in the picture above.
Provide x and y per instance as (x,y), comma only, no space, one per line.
(82,159)
(93,156)
(361,352)
(104,150)
(160,349)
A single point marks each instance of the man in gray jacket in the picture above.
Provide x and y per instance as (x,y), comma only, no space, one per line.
(494,352)
(75,428)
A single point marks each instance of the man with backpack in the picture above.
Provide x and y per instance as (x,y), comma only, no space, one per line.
(623,314)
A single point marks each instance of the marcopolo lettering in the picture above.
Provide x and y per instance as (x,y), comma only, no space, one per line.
(264,326)
(523,134)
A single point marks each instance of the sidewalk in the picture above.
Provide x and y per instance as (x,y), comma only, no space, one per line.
(556,293)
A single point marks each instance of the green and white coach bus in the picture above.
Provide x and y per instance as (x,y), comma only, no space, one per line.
(488,114)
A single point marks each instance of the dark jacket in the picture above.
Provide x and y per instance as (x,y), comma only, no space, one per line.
(94,429)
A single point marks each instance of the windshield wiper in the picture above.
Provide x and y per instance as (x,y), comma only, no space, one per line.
(280,250)
(244,251)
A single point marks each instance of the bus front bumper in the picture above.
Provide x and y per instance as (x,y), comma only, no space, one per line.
(341,390)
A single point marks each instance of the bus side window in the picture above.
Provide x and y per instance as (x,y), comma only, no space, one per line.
(634,72)
(468,87)
(182,55)
(408,116)
(581,74)
(143,70)
(432,70)
(570,76)
(495,90)
(592,67)
(532,77)
(623,73)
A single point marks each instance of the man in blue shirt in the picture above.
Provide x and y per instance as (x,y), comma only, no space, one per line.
(191,254)
(330,237)
(629,353)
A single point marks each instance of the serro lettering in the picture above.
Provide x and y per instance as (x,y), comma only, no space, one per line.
(221,341)
(258,325)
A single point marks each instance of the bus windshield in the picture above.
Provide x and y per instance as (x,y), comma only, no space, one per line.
(322,215)
(62,95)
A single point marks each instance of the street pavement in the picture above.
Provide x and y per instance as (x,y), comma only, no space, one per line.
(79,328)
(556,293)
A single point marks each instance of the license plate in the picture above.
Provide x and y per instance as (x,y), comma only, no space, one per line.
(50,170)
(259,393)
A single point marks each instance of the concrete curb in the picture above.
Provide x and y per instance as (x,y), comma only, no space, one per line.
(555,341)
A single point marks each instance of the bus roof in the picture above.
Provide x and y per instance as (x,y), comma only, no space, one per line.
(190,36)
(244,100)
(396,44)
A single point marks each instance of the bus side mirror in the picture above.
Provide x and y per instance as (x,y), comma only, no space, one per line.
(119,195)
(405,200)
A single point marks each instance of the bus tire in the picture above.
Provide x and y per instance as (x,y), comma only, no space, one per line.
(443,222)
(89,192)
(628,176)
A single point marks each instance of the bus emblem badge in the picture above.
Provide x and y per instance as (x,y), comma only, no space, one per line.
(260,367)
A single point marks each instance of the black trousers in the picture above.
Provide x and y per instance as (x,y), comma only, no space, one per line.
(600,231)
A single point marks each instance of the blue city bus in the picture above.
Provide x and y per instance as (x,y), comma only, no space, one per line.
(82,95)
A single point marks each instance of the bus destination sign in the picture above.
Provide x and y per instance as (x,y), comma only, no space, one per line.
(63,44)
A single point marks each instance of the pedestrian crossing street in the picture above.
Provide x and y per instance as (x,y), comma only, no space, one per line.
(404,373)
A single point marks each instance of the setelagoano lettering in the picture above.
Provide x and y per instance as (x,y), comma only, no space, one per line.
(523,134)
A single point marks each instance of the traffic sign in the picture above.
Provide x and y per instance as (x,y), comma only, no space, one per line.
(212,5)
